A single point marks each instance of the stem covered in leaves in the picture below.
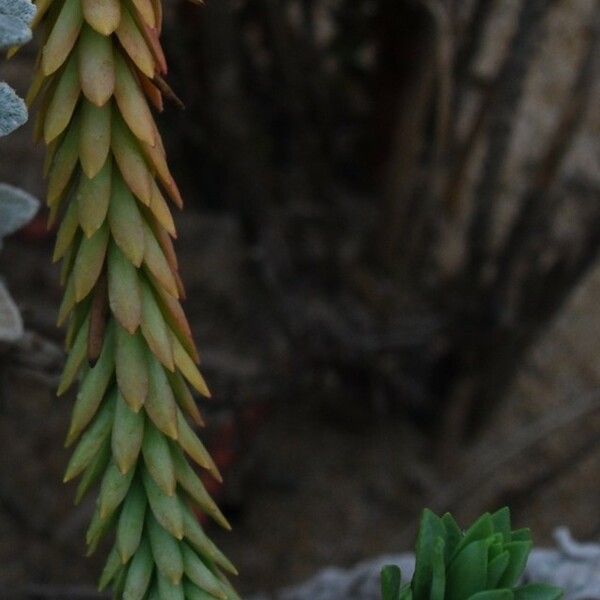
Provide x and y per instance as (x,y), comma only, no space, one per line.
(129,343)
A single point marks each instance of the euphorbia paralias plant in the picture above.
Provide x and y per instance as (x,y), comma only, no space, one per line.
(129,344)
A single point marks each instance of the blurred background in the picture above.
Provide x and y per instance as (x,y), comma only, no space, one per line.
(390,250)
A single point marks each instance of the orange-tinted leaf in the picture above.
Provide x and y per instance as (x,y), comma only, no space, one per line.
(135,45)
(132,104)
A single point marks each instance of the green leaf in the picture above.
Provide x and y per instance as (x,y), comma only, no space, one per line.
(538,591)
(169,590)
(139,573)
(166,509)
(132,372)
(89,262)
(467,573)
(111,569)
(160,403)
(453,535)
(93,199)
(193,592)
(482,529)
(519,552)
(93,471)
(165,550)
(438,576)
(497,568)
(501,521)
(157,458)
(91,442)
(131,522)
(127,435)
(126,222)
(391,578)
(198,573)
(521,535)
(155,329)
(124,292)
(194,534)
(191,483)
(93,387)
(113,490)
(493,595)
(431,528)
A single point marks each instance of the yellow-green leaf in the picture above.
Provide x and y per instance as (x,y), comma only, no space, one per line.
(131,522)
(91,442)
(132,164)
(62,37)
(132,373)
(75,358)
(155,330)
(135,45)
(200,574)
(93,199)
(94,141)
(132,102)
(61,107)
(157,458)
(192,445)
(113,490)
(127,435)
(103,15)
(186,365)
(139,573)
(64,164)
(160,403)
(165,509)
(124,293)
(93,387)
(66,231)
(89,261)
(126,222)
(96,66)
(157,264)
(192,484)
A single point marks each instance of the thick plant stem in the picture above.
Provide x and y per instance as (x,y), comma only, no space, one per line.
(130,346)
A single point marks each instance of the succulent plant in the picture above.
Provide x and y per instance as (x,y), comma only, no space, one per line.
(129,343)
(15,18)
(16,206)
(485,562)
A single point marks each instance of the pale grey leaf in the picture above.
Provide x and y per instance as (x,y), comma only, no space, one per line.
(11,323)
(16,209)
(13,112)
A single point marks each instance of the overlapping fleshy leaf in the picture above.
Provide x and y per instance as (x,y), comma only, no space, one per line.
(485,562)
(129,343)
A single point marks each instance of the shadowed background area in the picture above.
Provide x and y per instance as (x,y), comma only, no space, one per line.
(390,251)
